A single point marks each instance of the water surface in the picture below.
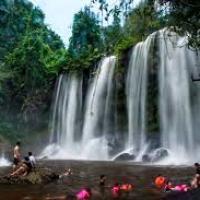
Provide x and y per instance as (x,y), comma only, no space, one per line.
(86,174)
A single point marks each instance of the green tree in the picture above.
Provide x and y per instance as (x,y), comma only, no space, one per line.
(183,17)
(17,17)
(112,35)
(85,46)
(31,57)
(30,64)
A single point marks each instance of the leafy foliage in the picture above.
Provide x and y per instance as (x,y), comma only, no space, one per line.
(85,47)
(31,57)
(16,17)
(184,18)
(140,22)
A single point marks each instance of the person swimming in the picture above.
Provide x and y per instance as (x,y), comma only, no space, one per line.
(84,194)
(102,180)
(127,187)
(116,190)
(68,172)
(160,181)
(181,188)
(168,186)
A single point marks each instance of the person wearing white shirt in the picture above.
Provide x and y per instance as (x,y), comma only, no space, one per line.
(32,159)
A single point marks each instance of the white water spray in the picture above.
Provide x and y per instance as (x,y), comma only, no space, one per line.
(175,107)
(97,111)
(136,89)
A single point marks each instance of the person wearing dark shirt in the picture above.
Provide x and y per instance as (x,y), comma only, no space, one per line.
(197,166)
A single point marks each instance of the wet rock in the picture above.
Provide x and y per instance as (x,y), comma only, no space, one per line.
(125,157)
(159,154)
(39,176)
(146,158)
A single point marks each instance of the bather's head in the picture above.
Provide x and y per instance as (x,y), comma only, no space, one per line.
(18,143)
(196,164)
(102,176)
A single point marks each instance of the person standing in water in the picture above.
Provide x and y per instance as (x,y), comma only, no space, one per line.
(102,180)
(16,155)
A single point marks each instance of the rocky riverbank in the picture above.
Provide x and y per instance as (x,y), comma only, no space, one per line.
(37,176)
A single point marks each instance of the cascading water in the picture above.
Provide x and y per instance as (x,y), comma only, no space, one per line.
(67,112)
(136,90)
(98,110)
(177,133)
(4,162)
(65,123)
(177,137)
(86,131)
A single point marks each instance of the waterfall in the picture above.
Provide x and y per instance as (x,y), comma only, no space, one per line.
(4,162)
(98,110)
(65,123)
(136,90)
(176,62)
(159,92)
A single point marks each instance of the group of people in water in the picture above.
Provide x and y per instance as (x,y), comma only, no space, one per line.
(166,185)
(161,183)
(21,167)
(86,193)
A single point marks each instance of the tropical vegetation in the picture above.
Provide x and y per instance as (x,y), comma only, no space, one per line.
(32,55)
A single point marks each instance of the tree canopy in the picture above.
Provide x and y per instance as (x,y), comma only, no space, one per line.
(86,46)
(182,16)
(31,57)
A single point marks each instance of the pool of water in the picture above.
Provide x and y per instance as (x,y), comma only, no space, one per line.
(86,174)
